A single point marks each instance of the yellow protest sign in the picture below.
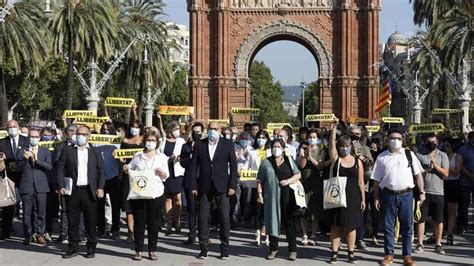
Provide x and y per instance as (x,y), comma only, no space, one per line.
(125,153)
(3,134)
(248,175)
(221,122)
(426,128)
(273,126)
(362,120)
(296,130)
(394,120)
(176,110)
(320,117)
(49,144)
(439,111)
(373,128)
(119,102)
(91,120)
(76,113)
(104,139)
(245,111)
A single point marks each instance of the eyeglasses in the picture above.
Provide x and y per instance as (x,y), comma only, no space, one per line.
(212,128)
(82,134)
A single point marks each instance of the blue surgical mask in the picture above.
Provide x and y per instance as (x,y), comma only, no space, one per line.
(213,134)
(12,132)
(47,138)
(134,131)
(261,142)
(34,141)
(81,140)
(243,143)
(344,151)
(314,141)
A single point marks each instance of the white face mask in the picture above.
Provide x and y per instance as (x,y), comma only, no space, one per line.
(150,145)
(176,133)
(228,136)
(395,144)
(277,152)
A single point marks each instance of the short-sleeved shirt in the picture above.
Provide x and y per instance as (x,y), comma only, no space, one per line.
(434,183)
(392,170)
(467,154)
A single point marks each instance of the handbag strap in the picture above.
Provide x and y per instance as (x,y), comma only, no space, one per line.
(338,166)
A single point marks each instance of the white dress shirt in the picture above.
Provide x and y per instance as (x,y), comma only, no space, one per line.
(212,148)
(82,162)
(160,161)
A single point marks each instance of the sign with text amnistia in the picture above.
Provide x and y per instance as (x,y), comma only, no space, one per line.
(440,111)
(320,117)
(76,113)
(245,111)
(426,128)
(221,122)
(125,153)
(393,120)
(373,128)
(104,139)
(176,110)
(119,102)
(248,175)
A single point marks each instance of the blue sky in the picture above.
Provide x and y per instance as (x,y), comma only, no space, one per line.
(296,63)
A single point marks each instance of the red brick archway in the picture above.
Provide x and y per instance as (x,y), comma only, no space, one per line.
(341,34)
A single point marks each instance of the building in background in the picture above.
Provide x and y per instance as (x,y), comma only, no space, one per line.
(180,35)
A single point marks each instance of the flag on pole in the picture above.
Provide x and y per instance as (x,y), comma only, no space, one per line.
(385,97)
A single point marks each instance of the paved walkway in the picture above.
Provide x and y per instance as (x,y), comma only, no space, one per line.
(243,252)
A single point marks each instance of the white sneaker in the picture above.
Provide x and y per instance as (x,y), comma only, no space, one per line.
(47,237)
(267,241)
(257,237)
(304,241)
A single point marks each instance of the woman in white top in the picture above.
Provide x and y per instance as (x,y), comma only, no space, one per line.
(147,212)
(451,188)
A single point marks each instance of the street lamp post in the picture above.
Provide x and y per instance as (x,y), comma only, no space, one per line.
(149,103)
(303,86)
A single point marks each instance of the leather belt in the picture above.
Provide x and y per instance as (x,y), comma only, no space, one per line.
(82,187)
(397,192)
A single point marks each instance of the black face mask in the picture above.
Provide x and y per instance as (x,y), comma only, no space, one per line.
(430,146)
(196,136)
(355,138)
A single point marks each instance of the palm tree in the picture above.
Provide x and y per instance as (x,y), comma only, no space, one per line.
(23,45)
(428,11)
(86,30)
(143,16)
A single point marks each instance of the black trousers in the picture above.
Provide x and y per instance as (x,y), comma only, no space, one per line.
(113,188)
(192,207)
(146,215)
(31,202)
(289,223)
(465,193)
(81,200)
(63,215)
(223,207)
(52,209)
(7,220)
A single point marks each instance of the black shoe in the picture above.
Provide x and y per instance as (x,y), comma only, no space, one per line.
(169,230)
(189,241)
(90,253)
(224,255)
(450,240)
(71,253)
(202,255)
(177,228)
(333,259)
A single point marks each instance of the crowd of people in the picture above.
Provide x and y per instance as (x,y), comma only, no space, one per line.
(394,184)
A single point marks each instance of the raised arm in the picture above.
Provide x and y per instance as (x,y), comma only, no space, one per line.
(332,142)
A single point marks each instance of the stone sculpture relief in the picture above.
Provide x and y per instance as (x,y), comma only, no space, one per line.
(280,3)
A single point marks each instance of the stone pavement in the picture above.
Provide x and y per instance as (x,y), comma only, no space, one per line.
(243,252)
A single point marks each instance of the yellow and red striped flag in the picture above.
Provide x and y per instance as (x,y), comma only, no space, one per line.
(385,97)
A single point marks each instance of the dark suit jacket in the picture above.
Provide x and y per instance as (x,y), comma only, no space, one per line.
(58,150)
(185,161)
(34,177)
(13,157)
(67,167)
(222,170)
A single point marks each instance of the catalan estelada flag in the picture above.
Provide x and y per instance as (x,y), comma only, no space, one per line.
(385,97)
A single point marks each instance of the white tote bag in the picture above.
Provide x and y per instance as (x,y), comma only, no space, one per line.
(300,198)
(7,192)
(143,185)
(335,190)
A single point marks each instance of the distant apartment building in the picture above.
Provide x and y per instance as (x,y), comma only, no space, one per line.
(180,35)
(291,108)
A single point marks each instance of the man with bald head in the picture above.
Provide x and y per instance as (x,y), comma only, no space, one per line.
(11,146)
(214,177)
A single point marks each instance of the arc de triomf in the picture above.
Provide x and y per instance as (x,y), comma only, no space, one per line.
(343,36)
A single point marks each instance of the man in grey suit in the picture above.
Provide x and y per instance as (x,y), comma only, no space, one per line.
(34,187)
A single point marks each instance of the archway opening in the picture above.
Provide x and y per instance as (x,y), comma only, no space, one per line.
(280,69)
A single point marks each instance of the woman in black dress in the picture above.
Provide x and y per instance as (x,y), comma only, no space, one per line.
(134,140)
(346,220)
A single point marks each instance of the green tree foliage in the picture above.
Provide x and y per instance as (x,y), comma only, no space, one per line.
(311,100)
(266,94)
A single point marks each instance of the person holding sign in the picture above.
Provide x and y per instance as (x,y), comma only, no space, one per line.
(214,177)
(171,145)
(147,211)
(345,220)
(274,177)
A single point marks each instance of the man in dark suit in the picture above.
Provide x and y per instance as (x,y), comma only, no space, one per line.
(84,165)
(185,161)
(34,187)
(215,161)
(11,147)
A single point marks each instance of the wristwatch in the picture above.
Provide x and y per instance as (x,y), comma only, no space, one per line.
(422,192)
